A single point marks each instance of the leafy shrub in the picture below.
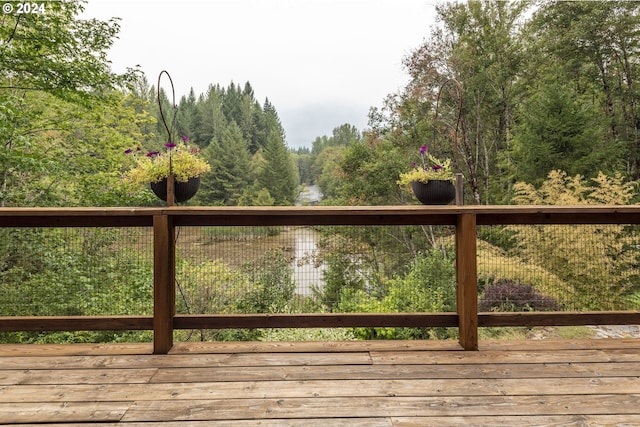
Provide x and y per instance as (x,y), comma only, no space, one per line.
(596,263)
(343,273)
(510,296)
(272,277)
(429,287)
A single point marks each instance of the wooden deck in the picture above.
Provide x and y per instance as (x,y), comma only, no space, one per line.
(400,384)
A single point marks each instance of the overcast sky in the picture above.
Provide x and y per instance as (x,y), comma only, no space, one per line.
(321,63)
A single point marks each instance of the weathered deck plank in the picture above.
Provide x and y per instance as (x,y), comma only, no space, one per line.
(386,372)
(507,357)
(377,384)
(457,421)
(76,376)
(319,389)
(45,412)
(381,407)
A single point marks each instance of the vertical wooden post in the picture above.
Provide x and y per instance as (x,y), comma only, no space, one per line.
(467,280)
(171,185)
(459,190)
(164,294)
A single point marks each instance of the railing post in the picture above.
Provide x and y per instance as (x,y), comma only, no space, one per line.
(467,280)
(171,183)
(164,295)
(459,190)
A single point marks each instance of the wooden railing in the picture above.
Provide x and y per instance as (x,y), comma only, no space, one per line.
(464,218)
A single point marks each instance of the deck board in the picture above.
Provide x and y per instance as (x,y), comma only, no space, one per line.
(377,384)
(320,389)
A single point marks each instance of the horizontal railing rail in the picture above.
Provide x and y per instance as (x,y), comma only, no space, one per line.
(465,219)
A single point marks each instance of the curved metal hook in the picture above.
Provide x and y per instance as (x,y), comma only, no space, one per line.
(173,103)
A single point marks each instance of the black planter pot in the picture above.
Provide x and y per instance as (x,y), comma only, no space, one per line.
(182,191)
(434,192)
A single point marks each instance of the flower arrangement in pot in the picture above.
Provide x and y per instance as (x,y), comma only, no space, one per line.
(432,181)
(179,160)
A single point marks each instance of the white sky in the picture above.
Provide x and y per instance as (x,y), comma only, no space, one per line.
(321,63)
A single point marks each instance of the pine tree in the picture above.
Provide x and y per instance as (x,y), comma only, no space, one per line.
(279,174)
(230,169)
(209,116)
(557,130)
(187,117)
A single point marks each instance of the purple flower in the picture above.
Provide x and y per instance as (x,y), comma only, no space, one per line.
(423,150)
(128,151)
(185,138)
(436,168)
(169,145)
(414,165)
(153,153)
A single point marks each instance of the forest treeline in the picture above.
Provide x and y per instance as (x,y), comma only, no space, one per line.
(508,90)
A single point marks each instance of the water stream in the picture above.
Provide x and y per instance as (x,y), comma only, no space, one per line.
(305,272)
(310,196)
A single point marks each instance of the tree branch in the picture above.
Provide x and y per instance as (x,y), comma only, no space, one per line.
(15,29)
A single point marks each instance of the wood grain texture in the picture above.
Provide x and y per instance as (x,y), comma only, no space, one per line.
(467,281)
(390,384)
(164,273)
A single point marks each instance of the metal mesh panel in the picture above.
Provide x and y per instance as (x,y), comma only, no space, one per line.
(109,271)
(306,269)
(558,267)
(76,271)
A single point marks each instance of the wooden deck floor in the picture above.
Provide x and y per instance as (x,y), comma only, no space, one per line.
(400,384)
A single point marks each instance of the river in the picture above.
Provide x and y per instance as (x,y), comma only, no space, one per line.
(310,196)
(306,273)
(298,243)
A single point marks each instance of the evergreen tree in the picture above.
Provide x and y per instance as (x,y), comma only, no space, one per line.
(597,45)
(272,121)
(209,116)
(278,174)
(557,130)
(344,135)
(188,119)
(230,169)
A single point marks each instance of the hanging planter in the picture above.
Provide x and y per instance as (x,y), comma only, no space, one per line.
(434,192)
(431,181)
(182,191)
(179,160)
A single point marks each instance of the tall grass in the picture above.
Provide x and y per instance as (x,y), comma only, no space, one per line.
(223,233)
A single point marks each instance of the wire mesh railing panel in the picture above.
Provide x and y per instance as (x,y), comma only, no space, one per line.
(85,271)
(559,267)
(315,269)
(337,269)
(75,272)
